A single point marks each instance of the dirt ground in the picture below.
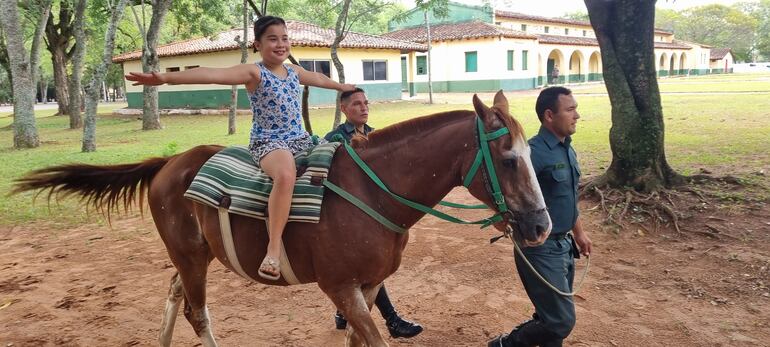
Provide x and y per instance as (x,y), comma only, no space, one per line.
(101,286)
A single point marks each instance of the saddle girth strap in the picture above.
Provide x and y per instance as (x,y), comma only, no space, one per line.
(229,245)
(232,257)
(286,272)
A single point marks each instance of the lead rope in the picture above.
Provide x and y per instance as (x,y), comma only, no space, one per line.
(537,274)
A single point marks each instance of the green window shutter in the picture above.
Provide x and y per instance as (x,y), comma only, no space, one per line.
(471,62)
(422,65)
(524,59)
(510,60)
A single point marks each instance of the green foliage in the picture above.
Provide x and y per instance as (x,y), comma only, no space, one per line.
(189,18)
(714,25)
(367,16)
(760,11)
(667,19)
(577,15)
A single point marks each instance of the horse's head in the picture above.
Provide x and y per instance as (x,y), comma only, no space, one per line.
(505,179)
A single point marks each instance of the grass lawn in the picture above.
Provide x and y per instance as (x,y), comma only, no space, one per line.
(732,83)
(723,133)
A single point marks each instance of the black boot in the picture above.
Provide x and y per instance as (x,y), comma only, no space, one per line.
(339,321)
(528,334)
(399,327)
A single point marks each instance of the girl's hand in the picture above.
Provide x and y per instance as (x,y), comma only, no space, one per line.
(347,87)
(147,79)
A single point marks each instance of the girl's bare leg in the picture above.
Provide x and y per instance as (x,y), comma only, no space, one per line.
(279,165)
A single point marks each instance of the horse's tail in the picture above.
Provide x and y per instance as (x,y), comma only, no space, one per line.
(106,188)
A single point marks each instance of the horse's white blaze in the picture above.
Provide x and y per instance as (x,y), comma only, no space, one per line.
(522,151)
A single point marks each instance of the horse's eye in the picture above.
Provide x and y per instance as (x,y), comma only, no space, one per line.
(511,163)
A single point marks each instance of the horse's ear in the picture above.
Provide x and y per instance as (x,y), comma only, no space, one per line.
(500,101)
(481,109)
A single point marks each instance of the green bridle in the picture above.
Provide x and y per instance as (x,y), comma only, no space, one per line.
(482,156)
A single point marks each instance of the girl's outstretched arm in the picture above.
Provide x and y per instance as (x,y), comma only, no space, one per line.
(316,79)
(246,74)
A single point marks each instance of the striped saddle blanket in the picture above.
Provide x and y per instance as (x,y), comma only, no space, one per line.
(230,179)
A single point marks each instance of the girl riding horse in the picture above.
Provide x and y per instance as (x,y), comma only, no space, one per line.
(276,134)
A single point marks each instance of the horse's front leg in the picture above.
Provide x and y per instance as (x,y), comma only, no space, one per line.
(355,304)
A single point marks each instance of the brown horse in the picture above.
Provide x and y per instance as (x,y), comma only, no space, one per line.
(347,253)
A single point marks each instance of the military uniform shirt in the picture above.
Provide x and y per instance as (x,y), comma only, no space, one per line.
(346,130)
(557,171)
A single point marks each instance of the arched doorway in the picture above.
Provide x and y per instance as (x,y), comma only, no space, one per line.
(662,71)
(555,62)
(576,71)
(683,64)
(541,79)
(672,65)
(595,67)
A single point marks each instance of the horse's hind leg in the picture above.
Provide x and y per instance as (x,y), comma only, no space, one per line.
(172,309)
(191,256)
(195,309)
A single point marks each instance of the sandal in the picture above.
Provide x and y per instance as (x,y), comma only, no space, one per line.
(270,269)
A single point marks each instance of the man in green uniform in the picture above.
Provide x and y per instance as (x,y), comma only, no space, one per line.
(355,106)
(556,167)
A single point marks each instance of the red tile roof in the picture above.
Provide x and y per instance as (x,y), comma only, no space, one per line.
(589,41)
(301,34)
(457,31)
(719,53)
(522,16)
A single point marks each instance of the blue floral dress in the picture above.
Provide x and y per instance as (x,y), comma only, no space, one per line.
(277,120)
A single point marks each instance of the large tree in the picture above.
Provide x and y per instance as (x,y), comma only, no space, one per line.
(243,44)
(349,15)
(150,61)
(59,32)
(78,57)
(115,12)
(23,68)
(760,11)
(624,29)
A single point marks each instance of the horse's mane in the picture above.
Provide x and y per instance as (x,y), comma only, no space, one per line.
(407,128)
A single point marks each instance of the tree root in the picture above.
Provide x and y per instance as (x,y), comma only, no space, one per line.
(616,203)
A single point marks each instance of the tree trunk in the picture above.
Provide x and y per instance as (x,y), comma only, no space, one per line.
(306,109)
(37,39)
(58,37)
(430,69)
(150,62)
(78,55)
(24,129)
(340,31)
(43,90)
(93,88)
(624,29)
(242,42)
(4,61)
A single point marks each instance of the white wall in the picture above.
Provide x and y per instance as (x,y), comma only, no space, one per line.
(448,60)
(351,60)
